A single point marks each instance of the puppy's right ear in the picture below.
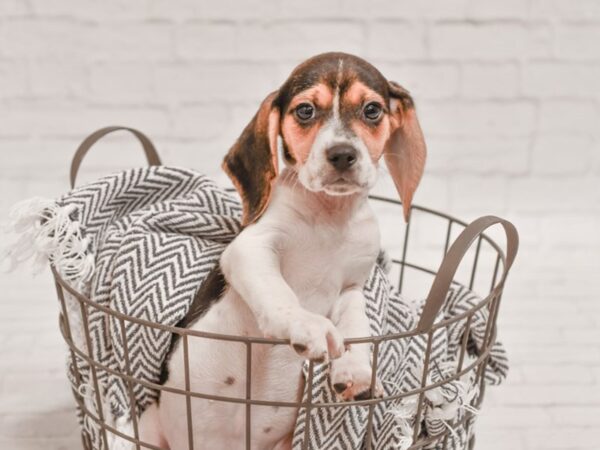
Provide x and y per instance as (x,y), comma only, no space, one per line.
(252,162)
(405,151)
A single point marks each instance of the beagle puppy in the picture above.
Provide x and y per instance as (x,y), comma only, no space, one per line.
(297,269)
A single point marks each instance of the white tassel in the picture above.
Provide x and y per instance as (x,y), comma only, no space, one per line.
(447,411)
(86,390)
(49,233)
(125,426)
(444,411)
(453,431)
(467,392)
(404,414)
(435,396)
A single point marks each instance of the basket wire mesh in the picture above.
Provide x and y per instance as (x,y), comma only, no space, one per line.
(443,278)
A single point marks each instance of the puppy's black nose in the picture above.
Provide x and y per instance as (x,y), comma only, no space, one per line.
(341,156)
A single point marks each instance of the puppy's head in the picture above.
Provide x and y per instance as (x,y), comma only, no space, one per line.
(337,116)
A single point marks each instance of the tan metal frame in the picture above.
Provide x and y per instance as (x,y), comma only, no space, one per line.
(444,277)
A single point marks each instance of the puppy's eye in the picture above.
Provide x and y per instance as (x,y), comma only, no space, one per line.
(305,111)
(372,111)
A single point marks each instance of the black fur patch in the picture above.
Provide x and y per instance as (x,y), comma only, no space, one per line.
(287,155)
(209,293)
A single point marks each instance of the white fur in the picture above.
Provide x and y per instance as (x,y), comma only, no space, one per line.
(295,274)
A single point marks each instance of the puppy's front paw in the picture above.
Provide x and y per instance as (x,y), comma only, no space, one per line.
(351,379)
(316,338)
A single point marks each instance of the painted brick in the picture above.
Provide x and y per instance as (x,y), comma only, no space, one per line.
(58,79)
(205,121)
(550,395)
(495,41)
(483,195)
(561,154)
(560,116)
(151,41)
(477,119)
(407,9)
(565,10)
(230,82)
(293,40)
(582,354)
(202,40)
(129,82)
(393,41)
(12,8)
(26,426)
(44,40)
(90,9)
(496,439)
(315,10)
(578,417)
(561,80)
(490,81)
(587,223)
(553,374)
(515,417)
(562,438)
(480,155)
(13,79)
(578,42)
(72,120)
(423,80)
(494,10)
(208,9)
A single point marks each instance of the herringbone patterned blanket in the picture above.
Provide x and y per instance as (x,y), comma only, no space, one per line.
(142,241)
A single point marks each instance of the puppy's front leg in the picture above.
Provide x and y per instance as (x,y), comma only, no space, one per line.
(351,374)
(251,266)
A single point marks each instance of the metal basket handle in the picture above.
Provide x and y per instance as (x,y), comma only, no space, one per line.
(149,150)
(452,259)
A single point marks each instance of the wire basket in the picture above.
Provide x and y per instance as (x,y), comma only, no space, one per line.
(471,241)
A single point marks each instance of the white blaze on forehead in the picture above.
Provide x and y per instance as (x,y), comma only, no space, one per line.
(333,130)
(335,120)
(339,72)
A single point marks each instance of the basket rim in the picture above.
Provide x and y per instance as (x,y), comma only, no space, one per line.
(181,331)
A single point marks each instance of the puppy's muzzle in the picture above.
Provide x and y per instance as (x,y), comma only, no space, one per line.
(341,156)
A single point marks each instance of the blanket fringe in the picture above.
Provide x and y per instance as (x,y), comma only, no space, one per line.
(438,408)
(50,232)
(404,413)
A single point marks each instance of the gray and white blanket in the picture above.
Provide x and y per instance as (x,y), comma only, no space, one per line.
(142,241)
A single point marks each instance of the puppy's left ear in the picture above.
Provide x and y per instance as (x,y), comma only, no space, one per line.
(252,162)
(405,150)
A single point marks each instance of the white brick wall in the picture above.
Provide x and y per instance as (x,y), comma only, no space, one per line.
(509,98)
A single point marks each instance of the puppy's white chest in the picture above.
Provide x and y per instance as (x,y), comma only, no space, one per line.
(321,261)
